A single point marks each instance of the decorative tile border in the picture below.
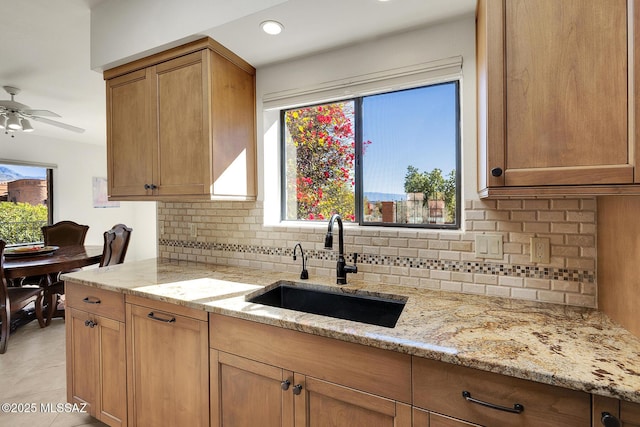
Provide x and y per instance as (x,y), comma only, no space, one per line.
(489,268)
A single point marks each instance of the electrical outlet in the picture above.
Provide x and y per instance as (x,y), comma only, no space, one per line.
(540,250)
(193,230)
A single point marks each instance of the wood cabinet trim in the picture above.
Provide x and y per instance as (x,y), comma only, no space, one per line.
(490,78)
(185,49)
(579,175)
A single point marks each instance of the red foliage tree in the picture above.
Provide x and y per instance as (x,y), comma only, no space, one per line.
(323,139)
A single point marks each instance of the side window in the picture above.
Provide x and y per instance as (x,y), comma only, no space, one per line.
(391,159)
(25,202)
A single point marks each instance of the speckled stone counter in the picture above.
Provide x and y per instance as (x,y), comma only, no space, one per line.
(572,347)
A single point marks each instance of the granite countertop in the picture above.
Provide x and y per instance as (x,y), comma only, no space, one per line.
(577,348)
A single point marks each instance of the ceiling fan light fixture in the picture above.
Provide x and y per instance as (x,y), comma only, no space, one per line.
(14,122)
(26,125)
(3,121)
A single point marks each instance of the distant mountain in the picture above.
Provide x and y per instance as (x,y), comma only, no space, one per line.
(8,174)
(384,197)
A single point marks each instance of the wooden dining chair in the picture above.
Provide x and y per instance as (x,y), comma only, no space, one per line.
(62,233)
(116,242)
(14,299)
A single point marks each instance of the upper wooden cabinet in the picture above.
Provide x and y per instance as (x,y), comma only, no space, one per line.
(181,125)
(553,97)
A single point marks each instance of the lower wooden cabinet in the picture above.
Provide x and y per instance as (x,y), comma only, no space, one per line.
(422,418)
(168,364)
(495,400)
(629,414)
(96,370)
(268,376)
(321,403)
(140,362)
(607,409)
(238,383)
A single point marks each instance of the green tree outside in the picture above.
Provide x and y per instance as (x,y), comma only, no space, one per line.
(434,186)
(21,222)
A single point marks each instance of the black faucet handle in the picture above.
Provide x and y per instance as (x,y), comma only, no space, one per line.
(355,257)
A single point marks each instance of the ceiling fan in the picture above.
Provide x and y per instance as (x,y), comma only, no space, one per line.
(15,116)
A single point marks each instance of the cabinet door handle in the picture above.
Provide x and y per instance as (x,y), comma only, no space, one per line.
(285,384)
(496,172)
(297,389)
(160,319)
(517,408)
(147,187)
(90,323)
(92,300)
(609,420)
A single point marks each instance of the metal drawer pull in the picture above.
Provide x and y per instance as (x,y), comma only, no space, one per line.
(90,323)
(517,408)
(154,317)
(92,300)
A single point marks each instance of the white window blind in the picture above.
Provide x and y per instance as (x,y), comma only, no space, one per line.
(367,84)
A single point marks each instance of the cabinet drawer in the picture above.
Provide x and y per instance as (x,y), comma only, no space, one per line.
(439,387)
(98,301)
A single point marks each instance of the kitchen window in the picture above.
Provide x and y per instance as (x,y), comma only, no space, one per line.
(390,159)
(25,201)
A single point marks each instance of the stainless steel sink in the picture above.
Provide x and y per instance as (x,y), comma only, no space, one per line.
(361,307)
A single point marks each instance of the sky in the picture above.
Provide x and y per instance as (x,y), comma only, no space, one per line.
(29,171)
(412,127)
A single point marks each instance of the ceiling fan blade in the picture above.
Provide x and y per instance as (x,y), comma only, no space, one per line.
(45,113)
(58,124)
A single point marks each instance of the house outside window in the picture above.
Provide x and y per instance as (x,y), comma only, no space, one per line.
(390,159)
(25,202)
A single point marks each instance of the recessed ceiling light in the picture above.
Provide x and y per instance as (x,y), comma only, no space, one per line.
(271,27)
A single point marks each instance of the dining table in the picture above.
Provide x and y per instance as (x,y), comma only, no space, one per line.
(46,263)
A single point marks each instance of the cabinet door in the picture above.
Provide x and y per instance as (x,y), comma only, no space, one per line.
(183,157)
(245,393)
(96,371)
(131,134)
(563,102)
(630,414)
(322,403)
(422,418)
(168,360)
(82,360)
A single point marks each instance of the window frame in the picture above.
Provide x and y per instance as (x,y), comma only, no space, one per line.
(50,179)
(358,166)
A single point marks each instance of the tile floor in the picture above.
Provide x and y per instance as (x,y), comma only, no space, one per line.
(32,371)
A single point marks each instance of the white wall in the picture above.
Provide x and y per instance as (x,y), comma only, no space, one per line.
(77,164)
(124,30)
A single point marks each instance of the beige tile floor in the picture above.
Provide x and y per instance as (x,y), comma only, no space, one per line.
(32,371)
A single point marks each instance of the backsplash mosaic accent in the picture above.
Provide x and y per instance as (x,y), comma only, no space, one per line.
(232,233)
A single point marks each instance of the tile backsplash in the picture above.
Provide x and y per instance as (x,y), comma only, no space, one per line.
(232,233)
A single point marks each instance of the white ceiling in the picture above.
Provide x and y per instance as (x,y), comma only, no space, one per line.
(45,45)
